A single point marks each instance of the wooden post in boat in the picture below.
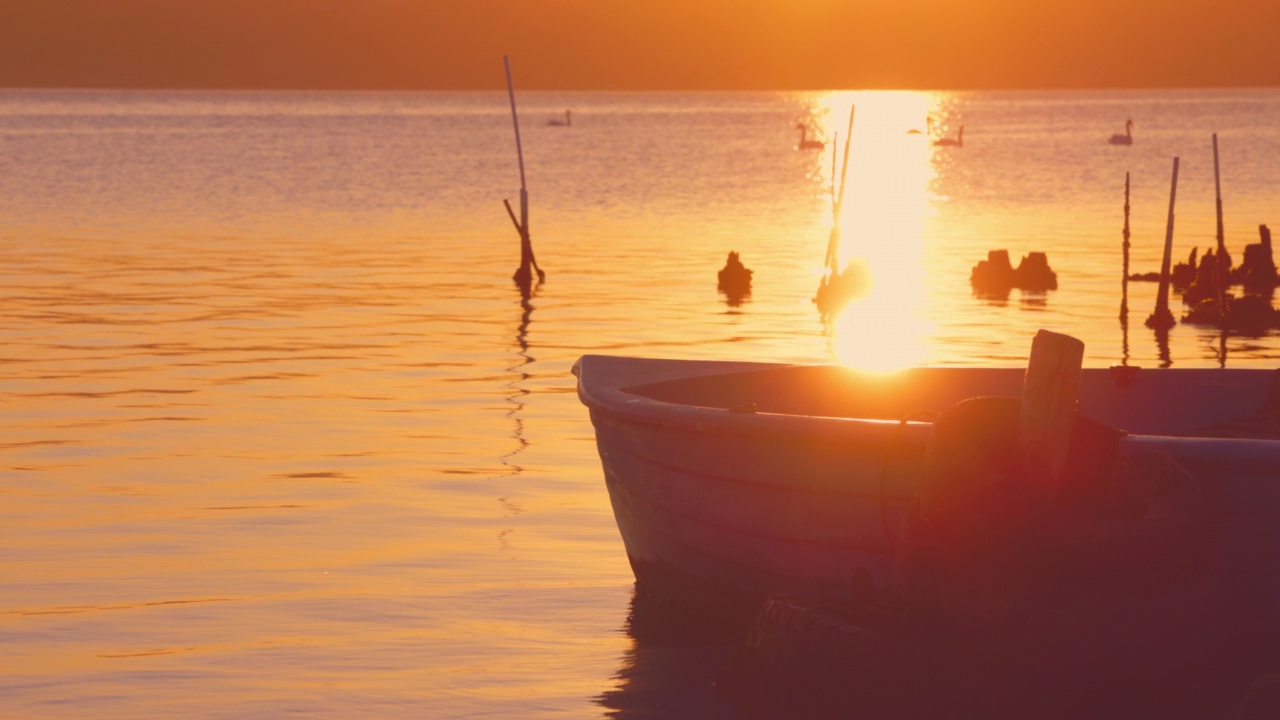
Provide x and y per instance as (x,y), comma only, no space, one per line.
(1124,282)
(524,274)
(1050,397)
(1221,261)
(1162,319)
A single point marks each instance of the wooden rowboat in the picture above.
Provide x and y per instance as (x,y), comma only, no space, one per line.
(731,481)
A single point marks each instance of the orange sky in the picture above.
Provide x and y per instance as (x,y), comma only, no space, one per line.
(639,44)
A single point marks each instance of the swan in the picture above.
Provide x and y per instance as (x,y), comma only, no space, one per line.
(806,144)
(566,122)
(1127,137)
(957,141)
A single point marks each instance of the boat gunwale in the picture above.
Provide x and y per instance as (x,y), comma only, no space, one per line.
(616,400)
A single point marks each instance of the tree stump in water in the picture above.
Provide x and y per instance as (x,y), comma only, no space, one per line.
(1257,273)
(996,276)
(734,279)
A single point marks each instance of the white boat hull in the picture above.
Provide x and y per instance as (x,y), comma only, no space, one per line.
(737,480)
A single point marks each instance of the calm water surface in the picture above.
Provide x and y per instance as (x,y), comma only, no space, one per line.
(280,436)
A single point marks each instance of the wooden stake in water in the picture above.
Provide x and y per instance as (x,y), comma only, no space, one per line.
(524,275)
(1124,282)
(832,260)
(1223,263)
(835,142)
(833,238)
(1162,319)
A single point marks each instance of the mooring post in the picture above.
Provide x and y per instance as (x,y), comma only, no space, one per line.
(1222,264)
(832,259)
(523,275)
(1162,319)
(1124,282)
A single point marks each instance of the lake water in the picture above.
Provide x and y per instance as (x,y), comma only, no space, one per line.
(281,437)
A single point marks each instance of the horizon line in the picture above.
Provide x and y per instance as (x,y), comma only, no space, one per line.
(496,89)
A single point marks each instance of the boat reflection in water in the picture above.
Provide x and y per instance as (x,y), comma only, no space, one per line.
(674,665)
(731,482)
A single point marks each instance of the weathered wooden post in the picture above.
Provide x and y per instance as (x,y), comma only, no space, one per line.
(528,265)
(1050,398)
(1162,319)
(832,259)
(1124,282)
(1222,263)
(835,287)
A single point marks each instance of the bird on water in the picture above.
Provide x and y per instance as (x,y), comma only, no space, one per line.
(1126,138)
(957,141)
(805,142)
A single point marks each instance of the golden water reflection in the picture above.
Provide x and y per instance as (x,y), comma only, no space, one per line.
(887,201)
(273,402)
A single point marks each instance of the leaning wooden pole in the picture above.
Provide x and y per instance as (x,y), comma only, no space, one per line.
(837,204)
(1124,279)
(844,162)
(833,238)
(528,265)
(1162,319)
(835,142)
(1222,264)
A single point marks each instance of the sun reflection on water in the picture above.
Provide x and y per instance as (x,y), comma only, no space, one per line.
(886,203)
(884,331)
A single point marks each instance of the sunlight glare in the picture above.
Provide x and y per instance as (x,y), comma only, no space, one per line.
(886,202)
(884,331)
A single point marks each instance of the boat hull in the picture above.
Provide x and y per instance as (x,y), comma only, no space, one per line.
(719,499)
(787,515)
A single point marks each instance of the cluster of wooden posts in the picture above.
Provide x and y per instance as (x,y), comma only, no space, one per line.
(1203,281)
(1204,285)
(838,286)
